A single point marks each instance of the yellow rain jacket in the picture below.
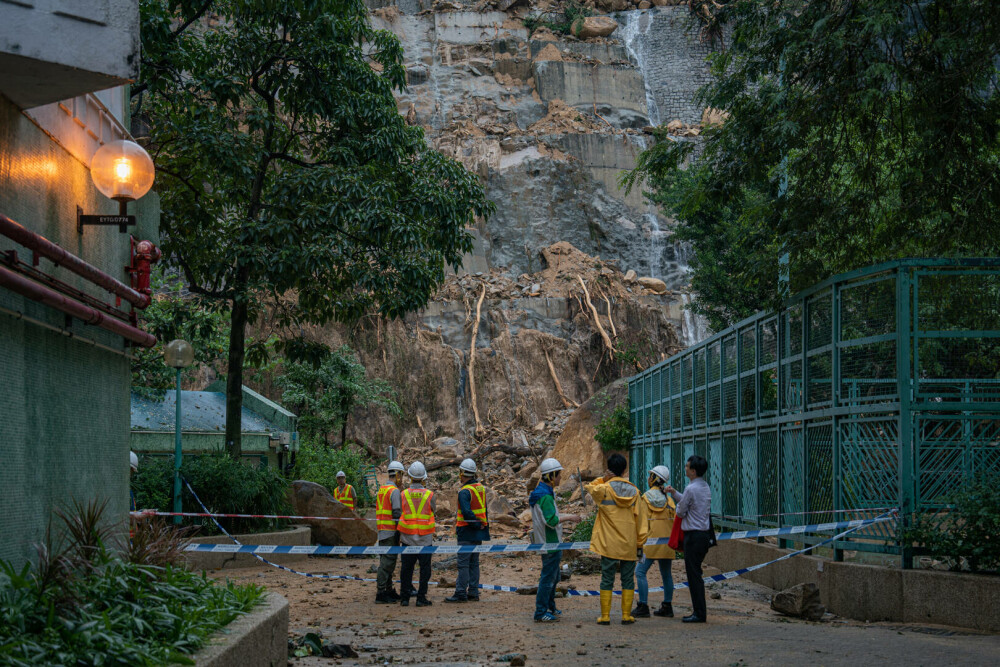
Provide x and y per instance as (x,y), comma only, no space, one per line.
(660,515)
(621,526)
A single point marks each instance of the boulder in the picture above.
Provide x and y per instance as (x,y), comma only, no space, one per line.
(653,284)
(645,4)
(506,520)
(576,446)
(448,447)
(801,601)
(311,499)
(497,504)
(586,27)
(630,276)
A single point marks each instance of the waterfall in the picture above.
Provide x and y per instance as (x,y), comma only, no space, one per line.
(695,327)
(633,36)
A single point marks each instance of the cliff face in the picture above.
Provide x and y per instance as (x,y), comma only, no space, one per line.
(549,122)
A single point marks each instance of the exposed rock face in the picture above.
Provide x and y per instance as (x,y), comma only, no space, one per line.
(311,499)
(801,601)
(593,26)
(577,447)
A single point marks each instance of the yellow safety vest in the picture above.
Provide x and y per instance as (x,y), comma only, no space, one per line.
(346,497)
(417,517)
(383,508)
(478,492)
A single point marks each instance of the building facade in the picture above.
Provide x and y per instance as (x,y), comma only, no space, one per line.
(64,384)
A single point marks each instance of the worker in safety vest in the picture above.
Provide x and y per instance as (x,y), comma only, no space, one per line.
(388,507)
(344,492)
(471,527)
(619,534)
(416,529)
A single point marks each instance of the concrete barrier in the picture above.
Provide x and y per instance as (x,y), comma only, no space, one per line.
(873,593)
(296,536)
(259,639)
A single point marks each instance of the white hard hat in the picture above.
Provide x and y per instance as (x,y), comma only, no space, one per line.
(468,465)
(133,461)
(549,465)
(396,466)
(341,473)
(663,472)
(417,471)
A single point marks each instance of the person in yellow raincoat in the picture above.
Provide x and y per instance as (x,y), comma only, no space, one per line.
(619,534)
(660,516)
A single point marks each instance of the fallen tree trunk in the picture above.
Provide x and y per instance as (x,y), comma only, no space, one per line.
(597,319)
(472,362)
(567,403)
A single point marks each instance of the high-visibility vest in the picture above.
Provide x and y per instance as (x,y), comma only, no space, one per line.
(346,497)
(383,508)
(478,493)
(417,517)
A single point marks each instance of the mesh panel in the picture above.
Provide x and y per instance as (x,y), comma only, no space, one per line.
(792,475)
(748,475)
(820,471)
(716,477)
(731,475)
(687,398)
(820,379)
(820,326)
(768,474)
(791,381)
(868,309)
(699,384)
(748,396)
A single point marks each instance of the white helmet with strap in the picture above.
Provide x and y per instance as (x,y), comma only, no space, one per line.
(549,465)
(417,471)
(663,472)
(469,466)
(396,466)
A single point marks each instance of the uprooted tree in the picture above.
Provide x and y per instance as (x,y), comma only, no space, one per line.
(291,187)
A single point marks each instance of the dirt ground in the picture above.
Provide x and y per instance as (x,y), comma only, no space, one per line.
(741,629)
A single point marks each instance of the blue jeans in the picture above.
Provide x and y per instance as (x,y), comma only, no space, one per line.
(642,585)
(467,583)
(545,599)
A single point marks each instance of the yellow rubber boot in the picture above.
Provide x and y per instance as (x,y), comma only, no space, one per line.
(627,606)
(605,617)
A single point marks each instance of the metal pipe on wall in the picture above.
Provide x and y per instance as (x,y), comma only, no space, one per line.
(53,299)
(62,257)
(18,315)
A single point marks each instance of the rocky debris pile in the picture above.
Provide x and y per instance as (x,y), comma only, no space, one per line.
(562,119)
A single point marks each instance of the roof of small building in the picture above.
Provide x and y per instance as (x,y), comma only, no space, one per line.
(201,411)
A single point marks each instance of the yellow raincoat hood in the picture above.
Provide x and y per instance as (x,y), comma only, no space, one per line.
(620,528)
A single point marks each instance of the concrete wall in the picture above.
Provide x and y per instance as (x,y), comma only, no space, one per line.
(259,639)
(64,405)
(872,593)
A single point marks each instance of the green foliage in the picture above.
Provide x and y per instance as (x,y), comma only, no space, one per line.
(558,22)
(284,166)
(225,485)
(170,317)
(583,530)
(80,605)
(614,432)
(323,395)
(969,533)
(860,132)
(318,463)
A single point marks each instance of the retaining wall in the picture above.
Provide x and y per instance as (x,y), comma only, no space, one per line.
(259,639)
(296,536)
(872,593)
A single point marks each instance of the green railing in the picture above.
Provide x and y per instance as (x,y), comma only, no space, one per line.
(874,389)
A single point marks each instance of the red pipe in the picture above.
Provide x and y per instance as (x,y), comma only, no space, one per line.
(62,257)
(53,299)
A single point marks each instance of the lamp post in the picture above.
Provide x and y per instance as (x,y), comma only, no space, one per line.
(178,354)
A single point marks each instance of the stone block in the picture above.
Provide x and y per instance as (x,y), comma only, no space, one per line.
(951,598)
(583,85)
(259,639)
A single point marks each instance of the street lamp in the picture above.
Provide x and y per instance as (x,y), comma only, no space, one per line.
(122,170)
(178,354)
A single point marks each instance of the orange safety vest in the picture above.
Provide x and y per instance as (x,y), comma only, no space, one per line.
(478,493)
(383,508)
(346,498)
(417,517)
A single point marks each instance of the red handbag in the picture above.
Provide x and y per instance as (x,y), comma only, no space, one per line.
(676,541)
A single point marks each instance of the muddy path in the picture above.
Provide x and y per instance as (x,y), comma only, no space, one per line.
(742,629)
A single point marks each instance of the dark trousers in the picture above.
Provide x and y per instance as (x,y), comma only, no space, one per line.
(406,574)
(695,549)
(545,597)
(467,582)
(386,564)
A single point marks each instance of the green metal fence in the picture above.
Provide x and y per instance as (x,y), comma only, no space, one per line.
(875,389)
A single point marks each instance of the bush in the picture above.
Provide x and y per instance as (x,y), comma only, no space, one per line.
(318,463)
(614,432)
(225,485)
(558,22)
(969,534)
(81,605)
(584,529)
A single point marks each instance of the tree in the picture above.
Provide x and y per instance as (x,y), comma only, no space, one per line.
(859,132)
(291,187)
(324,395)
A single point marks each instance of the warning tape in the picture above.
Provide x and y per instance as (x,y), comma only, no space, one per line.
(213,515)
(321,550)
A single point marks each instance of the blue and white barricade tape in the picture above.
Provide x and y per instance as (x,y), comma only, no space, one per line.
(320,550)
